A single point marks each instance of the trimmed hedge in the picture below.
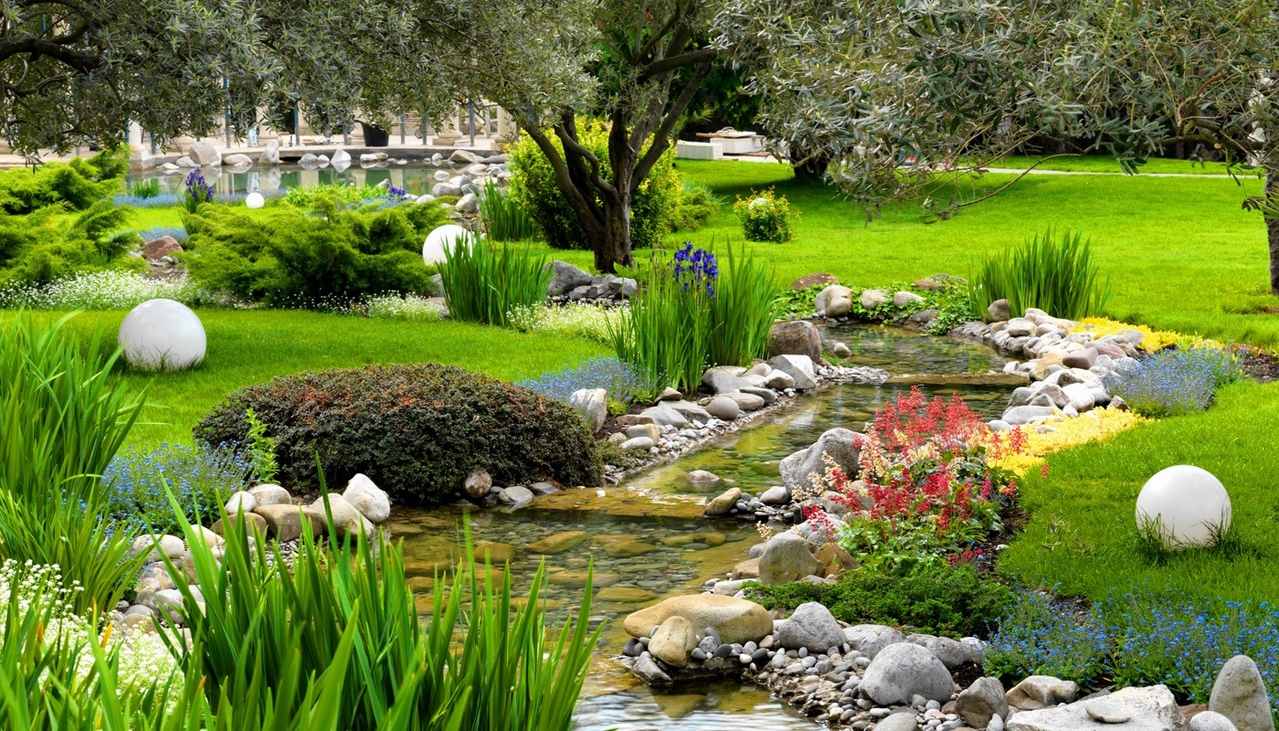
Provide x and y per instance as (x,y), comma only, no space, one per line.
(416,430)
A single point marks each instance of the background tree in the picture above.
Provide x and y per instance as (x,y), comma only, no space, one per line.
(553,63)
(904,96)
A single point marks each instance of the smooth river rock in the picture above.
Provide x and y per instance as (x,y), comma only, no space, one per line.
(1130,709)
(1239,694)
(903,670)
(734,620)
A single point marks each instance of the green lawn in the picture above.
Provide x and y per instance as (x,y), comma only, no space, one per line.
(248,347)
(1107,164)
(1082,536)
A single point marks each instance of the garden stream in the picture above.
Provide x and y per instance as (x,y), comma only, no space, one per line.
(647,538)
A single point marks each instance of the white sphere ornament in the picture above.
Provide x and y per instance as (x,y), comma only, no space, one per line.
(162,334)
(254,200)
(442,239)
(1184,507)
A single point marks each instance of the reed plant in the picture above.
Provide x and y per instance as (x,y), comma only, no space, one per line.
(689,314)
(1054,272)
(503,217)
(484,282)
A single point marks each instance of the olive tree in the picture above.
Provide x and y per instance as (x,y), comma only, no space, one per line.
(904,94)
(552,63)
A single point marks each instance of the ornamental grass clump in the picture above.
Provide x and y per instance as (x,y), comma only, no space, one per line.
(691,315)
(1057,274)
(503,217)
(1174,382)
(484,282)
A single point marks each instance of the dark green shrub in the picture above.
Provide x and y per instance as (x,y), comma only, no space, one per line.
(942,600)
(416,430)
(75,185)
(47,245)
(533,186)
(290,256)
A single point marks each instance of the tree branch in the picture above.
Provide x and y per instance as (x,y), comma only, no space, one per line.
(662,135)
(679,60)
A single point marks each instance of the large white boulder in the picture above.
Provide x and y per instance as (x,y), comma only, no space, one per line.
(366,497)
(162,334)
(442,239)
(1184,506)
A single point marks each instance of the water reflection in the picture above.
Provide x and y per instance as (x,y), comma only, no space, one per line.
(415,177)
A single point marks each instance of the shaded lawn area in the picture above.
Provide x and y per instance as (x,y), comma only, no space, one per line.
(1082,538)
(1108,164)
(249,347)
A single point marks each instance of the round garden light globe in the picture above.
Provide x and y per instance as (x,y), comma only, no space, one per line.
(1183,506)
(254,200)
(162,334)
(441,240)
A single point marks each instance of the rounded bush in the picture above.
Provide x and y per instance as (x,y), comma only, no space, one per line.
(654,205)
(415,430)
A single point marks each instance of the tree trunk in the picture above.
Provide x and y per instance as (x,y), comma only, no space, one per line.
(614,245)
(811,168)
(1272,225)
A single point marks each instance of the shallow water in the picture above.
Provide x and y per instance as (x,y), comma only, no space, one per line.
(647,539)
(415,177)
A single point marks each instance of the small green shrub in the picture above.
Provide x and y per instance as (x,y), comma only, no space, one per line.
(942,600)
(144,189)
(287,256)
(75,185)
(261,448)
(765,216)
(1057,274)
(416,430)
(697,203)
(338,195)
(653,205)
(504,218)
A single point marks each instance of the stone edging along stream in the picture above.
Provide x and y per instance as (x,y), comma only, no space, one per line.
(871,676)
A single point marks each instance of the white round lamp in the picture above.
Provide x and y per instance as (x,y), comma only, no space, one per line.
(162,334)
(254,200)
(1184,506)
(443,239)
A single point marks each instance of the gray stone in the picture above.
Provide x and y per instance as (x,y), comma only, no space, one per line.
(664,414)
(981,701)
(1145,709)
(1022,415)
(903,670)
(673,640)
(238,160)
(468,203)
(592,404)
(999,311)
(1105,710)
(1038,691)
(703,477)
(440,190)
(786,558)
(906,299)
(723,503)
(723,407)
(799,468)
(795,337)
(690,411)
(779,380)
(564,278)
(1020,327)
(517,496)
(900,721)
(271,153)
(952,653)
(649,672)
(834,301)
(1239,694)
(478,483)
(873,298)
(724,379)
(775,495)
(270,494)
(799,367)
(746,401)
(206,154)
(637,443)
(1203,721)
(371,500)
(869,639)
(811,625)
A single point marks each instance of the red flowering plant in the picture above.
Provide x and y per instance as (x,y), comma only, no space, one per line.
(927,491)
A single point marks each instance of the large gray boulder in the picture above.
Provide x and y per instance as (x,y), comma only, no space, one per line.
(952,653)
(869,639)
(1239,694)
(786,558)
(834,301)
(206,154)
(903,670)
(799,367)
(800,467)
(981,701)
(1130,709)
(795,337)
(565,278)
(811,625)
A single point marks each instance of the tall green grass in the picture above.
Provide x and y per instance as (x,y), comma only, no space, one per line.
(503,217)
(675,328)
(64,417)
(484,282)
(1055,273)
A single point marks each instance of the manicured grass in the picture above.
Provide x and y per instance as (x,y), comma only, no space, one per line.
(1180,252)
(1107,164)
(1082,538)
(248,347)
